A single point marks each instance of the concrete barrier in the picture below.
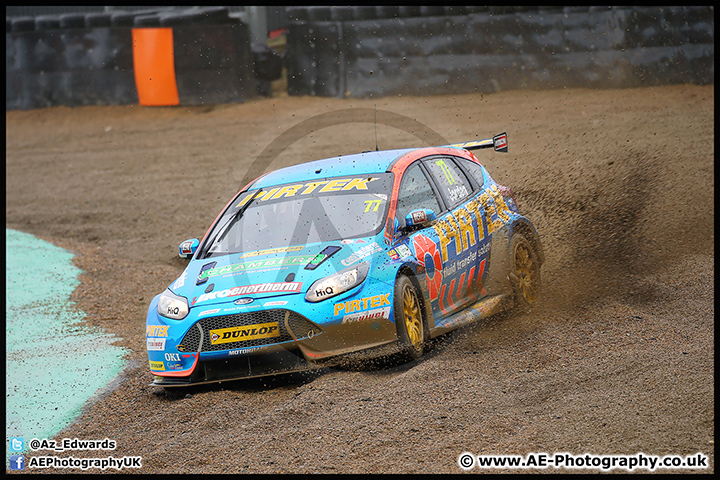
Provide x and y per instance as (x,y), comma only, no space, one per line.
(362,51)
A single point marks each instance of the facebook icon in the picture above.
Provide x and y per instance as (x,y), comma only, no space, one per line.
(17,462)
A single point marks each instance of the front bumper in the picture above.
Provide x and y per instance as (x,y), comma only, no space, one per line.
(256,342)
(248,366)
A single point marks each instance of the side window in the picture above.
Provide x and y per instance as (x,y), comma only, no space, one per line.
(415,192)
(475,170)
(452,182)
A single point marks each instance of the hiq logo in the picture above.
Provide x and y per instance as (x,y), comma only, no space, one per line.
(17,462)
(17,444)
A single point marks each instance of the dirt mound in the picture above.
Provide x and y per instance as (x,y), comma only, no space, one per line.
(618,358)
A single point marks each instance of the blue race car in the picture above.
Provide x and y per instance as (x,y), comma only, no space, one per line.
(351,257)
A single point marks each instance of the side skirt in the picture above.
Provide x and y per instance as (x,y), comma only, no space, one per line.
(485,308)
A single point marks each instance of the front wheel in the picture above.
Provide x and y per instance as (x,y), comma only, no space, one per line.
(524,273)
(409,320)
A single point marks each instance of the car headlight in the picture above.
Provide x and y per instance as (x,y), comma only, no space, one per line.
(337,283)
(172,306)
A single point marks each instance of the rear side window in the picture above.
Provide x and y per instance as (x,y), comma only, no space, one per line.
(451,181)
(475,170)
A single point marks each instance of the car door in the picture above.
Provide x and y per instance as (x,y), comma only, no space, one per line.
(418,192)
(488,206)
(460,235)
(449,270)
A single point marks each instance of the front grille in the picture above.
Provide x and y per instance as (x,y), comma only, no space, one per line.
(288,323)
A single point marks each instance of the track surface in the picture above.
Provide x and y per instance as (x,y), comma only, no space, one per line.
(618,358)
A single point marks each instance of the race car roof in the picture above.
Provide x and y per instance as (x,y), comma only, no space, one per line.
(355,164)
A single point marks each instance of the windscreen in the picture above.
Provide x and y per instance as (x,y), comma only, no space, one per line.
(322,210)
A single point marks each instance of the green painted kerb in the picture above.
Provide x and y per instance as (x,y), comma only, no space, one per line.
(53,364)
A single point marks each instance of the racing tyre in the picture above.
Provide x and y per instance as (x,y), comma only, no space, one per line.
(409,320)
(72,20)
(47,22)
(100,19)
(23,24)
(524,273)
(122,19)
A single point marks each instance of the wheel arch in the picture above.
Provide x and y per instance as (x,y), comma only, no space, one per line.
(410,273)
(498,281)
(527,229)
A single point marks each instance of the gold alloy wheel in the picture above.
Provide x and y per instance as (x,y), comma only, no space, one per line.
(412,317)
(527,272)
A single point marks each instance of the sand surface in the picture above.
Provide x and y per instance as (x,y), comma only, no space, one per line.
(617,359)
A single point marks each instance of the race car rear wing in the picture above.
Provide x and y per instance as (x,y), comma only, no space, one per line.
(498,142)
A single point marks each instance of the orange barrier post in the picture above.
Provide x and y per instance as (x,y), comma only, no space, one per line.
(154,64)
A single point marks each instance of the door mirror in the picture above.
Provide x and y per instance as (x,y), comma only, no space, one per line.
(188,247)
(418,219)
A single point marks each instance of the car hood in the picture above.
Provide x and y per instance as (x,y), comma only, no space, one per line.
(269,273)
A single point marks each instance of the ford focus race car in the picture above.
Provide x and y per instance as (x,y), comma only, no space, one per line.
(356,256)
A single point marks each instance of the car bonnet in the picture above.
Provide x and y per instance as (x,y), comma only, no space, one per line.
(242,278)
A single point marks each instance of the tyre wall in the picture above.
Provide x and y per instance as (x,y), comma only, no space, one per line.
(88,59)
(379,51)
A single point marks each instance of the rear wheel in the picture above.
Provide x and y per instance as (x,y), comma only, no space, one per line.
(525,272)
(409,320)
